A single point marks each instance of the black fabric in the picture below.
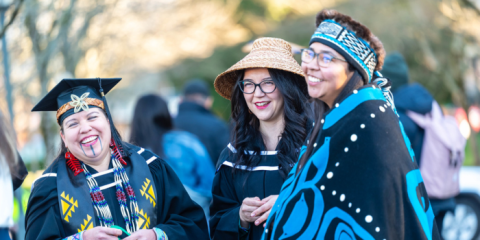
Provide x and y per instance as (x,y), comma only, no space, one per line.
(371,171)
(230,190)
(177,215)
(211,131)
(442,206)
(19,173)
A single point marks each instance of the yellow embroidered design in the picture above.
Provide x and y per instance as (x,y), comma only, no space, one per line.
(143,220)
(79,102)
(147,190)
(68,206)
(87,224)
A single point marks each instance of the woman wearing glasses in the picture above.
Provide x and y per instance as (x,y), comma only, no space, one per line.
(357,177)
(268,94)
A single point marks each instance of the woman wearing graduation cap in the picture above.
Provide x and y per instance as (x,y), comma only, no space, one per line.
(99,184)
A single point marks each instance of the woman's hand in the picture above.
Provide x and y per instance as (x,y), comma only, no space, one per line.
(267,204)
(102,233)
(144,234)
(248,206)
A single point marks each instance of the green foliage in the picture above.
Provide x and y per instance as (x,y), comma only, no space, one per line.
(434,51)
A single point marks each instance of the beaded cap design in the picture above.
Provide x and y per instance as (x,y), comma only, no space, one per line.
(272,53)
(357,51)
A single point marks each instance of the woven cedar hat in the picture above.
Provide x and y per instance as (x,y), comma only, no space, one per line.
(266,53)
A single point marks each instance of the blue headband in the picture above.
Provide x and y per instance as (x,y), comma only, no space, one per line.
(356,50)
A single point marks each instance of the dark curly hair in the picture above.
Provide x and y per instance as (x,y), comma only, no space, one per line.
(245,132)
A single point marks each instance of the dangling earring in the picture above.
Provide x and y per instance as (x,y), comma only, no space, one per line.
(117,153)
(73,163)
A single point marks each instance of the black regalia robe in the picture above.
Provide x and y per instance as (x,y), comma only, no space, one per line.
(361,181)
(229,190)
(175,213)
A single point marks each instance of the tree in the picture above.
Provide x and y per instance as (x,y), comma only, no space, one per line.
(48,41)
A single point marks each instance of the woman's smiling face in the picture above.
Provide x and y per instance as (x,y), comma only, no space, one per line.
(267,107)
(87,135)
(326,83)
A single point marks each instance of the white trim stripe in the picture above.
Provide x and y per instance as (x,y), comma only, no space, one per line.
(141,151)
(102,173)
(110,185)
(258,168)
(151,159)
(44,175)
(232,148)
(252,152)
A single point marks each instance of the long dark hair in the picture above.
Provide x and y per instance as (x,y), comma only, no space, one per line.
(246,134)
(151,120)
(321,109)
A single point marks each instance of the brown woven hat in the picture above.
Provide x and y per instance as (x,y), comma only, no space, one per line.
(273,53)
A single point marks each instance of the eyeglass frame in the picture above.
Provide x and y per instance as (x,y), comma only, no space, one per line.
(255,88)
(317,56)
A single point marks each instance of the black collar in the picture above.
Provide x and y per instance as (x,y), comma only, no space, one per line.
(192,106)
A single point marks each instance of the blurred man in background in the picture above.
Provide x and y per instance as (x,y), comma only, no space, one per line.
(425,127)
(194,116)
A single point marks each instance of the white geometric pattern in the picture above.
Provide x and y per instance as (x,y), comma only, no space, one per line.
(329,28)
(354,45)
(361,51)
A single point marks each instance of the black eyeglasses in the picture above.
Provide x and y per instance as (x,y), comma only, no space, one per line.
(323,59)
(249,87)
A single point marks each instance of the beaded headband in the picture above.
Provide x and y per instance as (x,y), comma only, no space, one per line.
(356,50)
(79,103)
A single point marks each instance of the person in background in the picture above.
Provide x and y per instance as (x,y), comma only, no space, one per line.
(194,116)
(152,128)
(268,98)
(12,174)
(408,97)
(415,98)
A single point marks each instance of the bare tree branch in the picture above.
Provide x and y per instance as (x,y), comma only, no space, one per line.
(14,15)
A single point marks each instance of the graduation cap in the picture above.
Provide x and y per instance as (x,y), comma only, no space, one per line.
(74,95)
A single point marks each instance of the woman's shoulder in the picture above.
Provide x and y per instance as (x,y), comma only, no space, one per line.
(227,155)
(365,104)
(48,180)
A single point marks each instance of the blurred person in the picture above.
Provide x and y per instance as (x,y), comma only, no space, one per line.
(194,116)
(415,104)
(152,128)
(268,98)
(12,174)
(8,159)
(101,187)
(356,177)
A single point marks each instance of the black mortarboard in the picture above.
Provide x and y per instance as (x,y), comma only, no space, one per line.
(60,94)
(63,92)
